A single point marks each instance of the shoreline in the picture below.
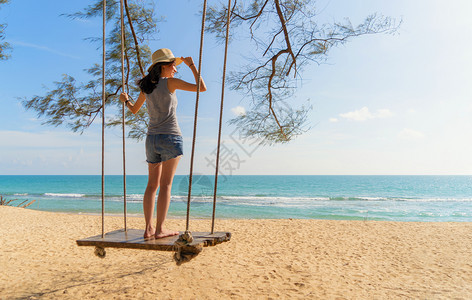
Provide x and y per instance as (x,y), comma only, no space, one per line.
(140,215)
(266,258)
(400,198)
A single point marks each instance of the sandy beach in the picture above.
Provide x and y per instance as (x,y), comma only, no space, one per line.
(265,259)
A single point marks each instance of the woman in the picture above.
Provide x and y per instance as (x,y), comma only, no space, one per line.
(164,140)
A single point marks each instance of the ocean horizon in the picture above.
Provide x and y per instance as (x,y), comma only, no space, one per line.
(419,198)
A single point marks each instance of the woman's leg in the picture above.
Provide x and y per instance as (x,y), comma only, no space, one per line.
(150,197)
(163,199)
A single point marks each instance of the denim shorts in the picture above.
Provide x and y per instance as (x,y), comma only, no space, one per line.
(162,147)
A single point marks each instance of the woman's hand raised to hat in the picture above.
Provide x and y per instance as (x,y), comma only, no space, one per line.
(187,60)
(178,84)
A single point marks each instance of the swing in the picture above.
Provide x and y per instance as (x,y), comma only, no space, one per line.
(187,245)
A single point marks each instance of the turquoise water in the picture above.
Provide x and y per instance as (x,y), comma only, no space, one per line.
(394,198)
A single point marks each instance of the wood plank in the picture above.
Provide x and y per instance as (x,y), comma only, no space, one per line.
(133,238)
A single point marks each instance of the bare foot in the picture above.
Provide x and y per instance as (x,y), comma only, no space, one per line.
(165,233)
(149,233)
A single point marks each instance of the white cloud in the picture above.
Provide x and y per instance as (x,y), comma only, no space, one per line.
(410,134)
(333,120)
(364,114)
(45,139)
(357,115)
(239,111)
(41,47)
(63,152)
(383,113)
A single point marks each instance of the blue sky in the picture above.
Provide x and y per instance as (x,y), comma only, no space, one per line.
(382,104)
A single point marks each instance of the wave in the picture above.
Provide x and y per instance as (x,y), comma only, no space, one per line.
(327,198)
(262,200)
(64,195)
(407,199)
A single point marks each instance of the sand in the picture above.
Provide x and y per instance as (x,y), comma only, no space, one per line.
(265,259)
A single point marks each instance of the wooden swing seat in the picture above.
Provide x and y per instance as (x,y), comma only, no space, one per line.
(133,239)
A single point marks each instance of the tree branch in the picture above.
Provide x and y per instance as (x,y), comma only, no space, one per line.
(287,38)
(136,44)
(269,87)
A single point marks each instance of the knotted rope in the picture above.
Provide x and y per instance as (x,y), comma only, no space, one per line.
(184,250)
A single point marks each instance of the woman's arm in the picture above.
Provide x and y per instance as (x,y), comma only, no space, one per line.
(178,84)
(134,108)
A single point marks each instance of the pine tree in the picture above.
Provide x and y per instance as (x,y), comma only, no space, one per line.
(76,105)
(286,37)
(4,47)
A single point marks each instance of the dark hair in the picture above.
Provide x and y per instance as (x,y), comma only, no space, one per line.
(148,83)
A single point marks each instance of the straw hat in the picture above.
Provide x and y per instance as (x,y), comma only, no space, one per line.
(164,55)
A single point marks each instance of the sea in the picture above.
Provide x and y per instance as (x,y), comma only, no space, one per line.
(382,198)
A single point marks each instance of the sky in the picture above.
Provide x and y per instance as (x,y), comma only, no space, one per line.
(382,104)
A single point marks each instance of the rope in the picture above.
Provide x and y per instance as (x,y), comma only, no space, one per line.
(196,114)
(221,117)
(123,107)
(103,119)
